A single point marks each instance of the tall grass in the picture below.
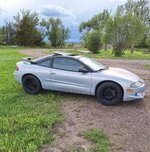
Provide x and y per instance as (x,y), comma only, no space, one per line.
(25,120)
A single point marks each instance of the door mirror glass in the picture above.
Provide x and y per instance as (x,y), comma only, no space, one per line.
(83,70)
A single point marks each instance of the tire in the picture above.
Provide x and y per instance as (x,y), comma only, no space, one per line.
(109,93)
(31,84)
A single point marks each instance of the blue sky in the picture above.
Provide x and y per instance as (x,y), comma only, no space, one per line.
(71,12)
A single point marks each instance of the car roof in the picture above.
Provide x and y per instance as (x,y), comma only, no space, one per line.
(65,54)
(57,54)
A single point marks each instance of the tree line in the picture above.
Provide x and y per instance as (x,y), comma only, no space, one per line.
(127,28)
(28,30)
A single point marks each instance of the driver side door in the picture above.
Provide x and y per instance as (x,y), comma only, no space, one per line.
(65,76)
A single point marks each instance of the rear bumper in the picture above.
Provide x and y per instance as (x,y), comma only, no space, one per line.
(18,77)
(138,93)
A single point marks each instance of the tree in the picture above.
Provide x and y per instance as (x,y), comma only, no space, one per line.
(1,36)
(123,31)
(26,25)
(97,24)
(93,41)
(147,37)
(139,9)
(9,33)
(1,33)
(55,31)
(126,29)
(147,42)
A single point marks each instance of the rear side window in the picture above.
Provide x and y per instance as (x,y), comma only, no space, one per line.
(45,63)
(67,64)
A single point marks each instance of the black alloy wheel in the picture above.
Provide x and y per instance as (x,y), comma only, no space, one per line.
(31,84)
(109,93)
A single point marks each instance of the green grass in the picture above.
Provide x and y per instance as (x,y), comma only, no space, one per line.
(147,66)
(25,120)
(100,140)
(138,54)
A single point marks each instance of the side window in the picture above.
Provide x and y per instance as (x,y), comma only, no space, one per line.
(45,63)
(67,64)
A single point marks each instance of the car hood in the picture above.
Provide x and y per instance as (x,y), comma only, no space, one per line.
(122,74)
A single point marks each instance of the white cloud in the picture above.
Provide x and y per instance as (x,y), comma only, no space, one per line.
(57,11)
(2,10)
(71,12)
(52,10)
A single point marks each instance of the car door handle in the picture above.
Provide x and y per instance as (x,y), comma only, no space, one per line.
(53,73)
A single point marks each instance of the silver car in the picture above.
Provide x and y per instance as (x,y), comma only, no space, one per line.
(78,74)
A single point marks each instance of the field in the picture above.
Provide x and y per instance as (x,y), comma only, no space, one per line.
(127,125)
(137,55)
(25,120)
(64,121)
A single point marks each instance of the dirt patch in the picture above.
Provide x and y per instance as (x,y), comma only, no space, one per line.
(127,124)
(33,52)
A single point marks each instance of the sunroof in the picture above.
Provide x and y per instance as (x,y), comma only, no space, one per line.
(65,54)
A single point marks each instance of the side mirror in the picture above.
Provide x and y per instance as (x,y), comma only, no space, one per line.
(83,70)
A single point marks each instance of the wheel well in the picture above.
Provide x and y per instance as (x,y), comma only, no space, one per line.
(32,75)
(100,83)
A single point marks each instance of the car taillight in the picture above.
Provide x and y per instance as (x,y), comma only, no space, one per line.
(17,69)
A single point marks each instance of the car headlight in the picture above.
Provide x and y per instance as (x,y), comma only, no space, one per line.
(136,84)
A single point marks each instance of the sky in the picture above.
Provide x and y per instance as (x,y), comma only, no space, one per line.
(72,13)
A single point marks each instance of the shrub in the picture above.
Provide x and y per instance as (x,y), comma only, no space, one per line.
(69,45)
(148,43)
(93,41)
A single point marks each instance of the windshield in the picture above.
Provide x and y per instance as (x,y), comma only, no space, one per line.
(93,64)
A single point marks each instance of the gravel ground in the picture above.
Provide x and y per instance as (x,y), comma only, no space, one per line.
(127,124)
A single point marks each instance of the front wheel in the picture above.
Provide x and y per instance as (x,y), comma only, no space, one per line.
(109,93)
(31,84)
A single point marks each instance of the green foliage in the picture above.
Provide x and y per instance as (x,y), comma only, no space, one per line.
(25,120)
(140,9)
(1,36)
(69,45)
(93,41)
(137,55)
(26,30)
(9,33)
(100,140)
(55,31)
(27,33)
(147,66)
(95,25)
(124,31)
(147,42)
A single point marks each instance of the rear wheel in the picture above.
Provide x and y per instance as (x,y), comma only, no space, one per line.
(31,84)
(109,93)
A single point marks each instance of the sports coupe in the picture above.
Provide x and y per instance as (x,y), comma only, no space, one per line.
(78,74)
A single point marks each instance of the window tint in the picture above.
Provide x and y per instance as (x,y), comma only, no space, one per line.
(67,64)
(93,64)
(45,63)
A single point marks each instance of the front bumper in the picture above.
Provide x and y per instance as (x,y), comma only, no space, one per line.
(138,93)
